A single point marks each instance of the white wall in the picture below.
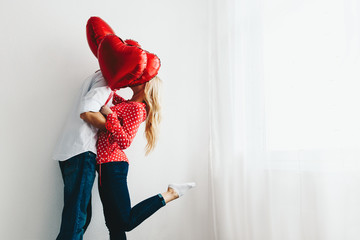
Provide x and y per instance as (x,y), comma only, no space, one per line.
(45,58)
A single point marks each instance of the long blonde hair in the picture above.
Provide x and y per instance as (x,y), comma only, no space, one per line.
(152,100)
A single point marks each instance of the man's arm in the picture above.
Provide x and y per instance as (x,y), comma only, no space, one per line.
(94,118)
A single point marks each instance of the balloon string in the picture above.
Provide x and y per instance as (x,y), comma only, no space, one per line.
(100,174)
(110,96)
(107,101)
(108,155)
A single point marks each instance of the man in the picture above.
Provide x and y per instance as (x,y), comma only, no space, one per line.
(76,153)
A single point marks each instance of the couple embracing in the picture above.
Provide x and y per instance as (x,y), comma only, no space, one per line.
(93,140)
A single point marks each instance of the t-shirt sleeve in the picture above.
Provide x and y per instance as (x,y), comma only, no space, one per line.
(94,99)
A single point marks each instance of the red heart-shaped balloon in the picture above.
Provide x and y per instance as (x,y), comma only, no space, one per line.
(152,66)
(120,63)
(132,43)
(151,70)
(96,30)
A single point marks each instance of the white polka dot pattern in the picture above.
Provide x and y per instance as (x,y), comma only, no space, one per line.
(121,128)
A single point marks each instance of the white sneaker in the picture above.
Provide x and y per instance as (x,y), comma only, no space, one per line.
(181,188)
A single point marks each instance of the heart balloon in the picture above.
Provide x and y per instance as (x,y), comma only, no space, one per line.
(152,66)
(132,43)
(120,63)
(151,70)
(96,30)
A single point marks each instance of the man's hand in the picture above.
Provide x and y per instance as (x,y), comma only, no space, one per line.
(94,118)
(105,110)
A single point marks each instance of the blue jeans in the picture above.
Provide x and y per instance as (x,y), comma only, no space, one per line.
(78,174)
(114,194)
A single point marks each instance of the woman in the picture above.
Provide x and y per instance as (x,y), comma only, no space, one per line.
(122,123)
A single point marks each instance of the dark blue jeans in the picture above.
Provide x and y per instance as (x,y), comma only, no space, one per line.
(78,174)
(114,194)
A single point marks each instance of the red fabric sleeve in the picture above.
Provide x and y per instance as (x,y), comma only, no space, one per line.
(117,99)
(123,133)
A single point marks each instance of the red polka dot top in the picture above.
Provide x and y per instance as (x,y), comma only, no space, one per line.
(121,128)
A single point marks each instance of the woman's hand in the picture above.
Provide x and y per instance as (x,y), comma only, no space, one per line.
(105,110)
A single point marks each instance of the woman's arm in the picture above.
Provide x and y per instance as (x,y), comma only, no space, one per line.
(123,133)
(117,99)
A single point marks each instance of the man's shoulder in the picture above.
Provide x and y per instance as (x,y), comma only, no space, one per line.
(97,80)
(94,82)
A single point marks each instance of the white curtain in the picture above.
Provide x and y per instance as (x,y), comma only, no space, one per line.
(285,119)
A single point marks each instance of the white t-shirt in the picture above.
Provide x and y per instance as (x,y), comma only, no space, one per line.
(78,136)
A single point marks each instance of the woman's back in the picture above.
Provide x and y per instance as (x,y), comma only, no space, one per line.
(121,128)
